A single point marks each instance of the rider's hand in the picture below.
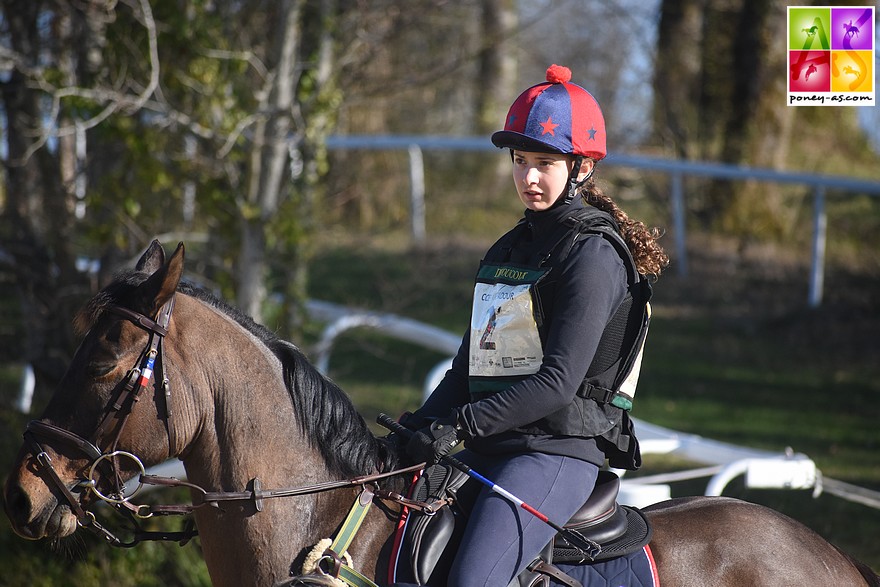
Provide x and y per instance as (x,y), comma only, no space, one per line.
(410,421)
(431,443)
(413,421)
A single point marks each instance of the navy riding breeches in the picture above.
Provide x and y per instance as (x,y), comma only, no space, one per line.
(501,539)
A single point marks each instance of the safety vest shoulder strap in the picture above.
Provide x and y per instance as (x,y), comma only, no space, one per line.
(592,220)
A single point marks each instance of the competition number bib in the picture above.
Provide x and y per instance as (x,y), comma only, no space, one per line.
(504,336)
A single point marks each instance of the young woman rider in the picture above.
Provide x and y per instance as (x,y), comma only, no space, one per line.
(522,390)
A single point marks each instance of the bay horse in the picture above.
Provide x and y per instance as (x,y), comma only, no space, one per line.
(244,409)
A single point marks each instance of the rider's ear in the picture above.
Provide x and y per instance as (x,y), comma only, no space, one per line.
(587,166)
(161,285)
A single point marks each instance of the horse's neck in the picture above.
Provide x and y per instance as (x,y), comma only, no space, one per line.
(245,428)
(246,423)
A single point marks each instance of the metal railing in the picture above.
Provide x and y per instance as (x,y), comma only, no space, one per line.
(676,169)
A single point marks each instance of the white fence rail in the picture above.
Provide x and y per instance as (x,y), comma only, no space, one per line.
(676,169)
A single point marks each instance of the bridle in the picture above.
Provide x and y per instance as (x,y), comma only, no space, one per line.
(151,366)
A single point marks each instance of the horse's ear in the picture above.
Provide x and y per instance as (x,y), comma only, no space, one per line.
(161,285)
(152,259)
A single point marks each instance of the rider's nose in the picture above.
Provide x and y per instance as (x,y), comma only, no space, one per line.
(531,176)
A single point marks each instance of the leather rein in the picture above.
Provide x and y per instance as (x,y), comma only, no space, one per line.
(151,366)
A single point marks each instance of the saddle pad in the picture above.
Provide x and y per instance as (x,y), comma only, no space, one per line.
(637,534)
(636,569)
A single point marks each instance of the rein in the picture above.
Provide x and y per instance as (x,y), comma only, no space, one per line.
(150,366)
(257,494)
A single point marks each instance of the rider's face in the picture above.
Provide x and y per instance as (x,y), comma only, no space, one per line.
(541,178)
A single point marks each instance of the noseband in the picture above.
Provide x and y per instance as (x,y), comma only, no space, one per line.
(150,365)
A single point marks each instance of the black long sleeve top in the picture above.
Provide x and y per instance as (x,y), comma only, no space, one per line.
(586,290)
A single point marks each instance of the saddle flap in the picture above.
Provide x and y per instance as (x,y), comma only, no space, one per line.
(429,555)
(426,554)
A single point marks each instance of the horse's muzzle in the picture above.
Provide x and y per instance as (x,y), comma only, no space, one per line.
(33,511)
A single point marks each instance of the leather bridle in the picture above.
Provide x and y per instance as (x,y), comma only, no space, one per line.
(151,366)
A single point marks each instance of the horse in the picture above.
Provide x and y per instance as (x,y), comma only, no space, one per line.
(850,71)
(851,30)
(243,410)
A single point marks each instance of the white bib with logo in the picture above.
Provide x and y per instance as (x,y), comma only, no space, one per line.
(504,335)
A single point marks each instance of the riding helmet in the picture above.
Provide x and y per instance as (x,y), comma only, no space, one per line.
(555,116)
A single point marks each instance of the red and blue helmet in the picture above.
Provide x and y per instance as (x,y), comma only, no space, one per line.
(555,116)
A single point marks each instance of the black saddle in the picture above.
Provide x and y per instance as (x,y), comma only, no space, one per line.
(430,541)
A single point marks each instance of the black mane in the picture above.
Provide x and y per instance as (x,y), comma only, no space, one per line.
(326,414)
(328,418)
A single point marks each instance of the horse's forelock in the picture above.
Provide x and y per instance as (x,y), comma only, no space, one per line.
(112,294)
(89,314)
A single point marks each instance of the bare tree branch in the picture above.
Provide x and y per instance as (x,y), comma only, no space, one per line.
(112,99)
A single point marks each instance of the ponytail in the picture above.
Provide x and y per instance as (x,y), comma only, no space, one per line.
(649,256)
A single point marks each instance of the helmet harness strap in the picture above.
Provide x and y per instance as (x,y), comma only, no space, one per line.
(573,184)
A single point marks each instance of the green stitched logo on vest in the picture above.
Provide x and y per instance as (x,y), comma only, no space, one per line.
(509,274)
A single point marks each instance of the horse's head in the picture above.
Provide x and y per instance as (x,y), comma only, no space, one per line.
(104,420)
(242,409)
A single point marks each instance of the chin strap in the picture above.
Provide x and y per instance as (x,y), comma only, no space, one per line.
(573,184)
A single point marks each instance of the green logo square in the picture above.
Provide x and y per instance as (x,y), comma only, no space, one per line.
(809,28)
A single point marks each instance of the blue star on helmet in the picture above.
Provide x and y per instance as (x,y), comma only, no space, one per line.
(592,133)
(510,120)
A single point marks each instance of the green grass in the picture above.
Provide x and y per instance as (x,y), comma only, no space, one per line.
(756,392)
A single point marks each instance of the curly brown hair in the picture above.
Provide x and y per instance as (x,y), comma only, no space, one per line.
(649,256)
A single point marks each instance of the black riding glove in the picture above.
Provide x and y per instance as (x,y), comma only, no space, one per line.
(413,421)
(410,421)
(434,442)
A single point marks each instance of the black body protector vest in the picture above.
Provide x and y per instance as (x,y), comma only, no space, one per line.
(508,332)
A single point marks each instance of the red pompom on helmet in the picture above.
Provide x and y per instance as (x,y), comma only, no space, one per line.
(555,116)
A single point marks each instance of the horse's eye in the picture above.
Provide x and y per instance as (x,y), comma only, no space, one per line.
(98,370)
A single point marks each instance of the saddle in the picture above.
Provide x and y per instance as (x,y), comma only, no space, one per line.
(429,541)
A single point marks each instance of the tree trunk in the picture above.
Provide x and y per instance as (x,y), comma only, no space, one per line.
(317,110)
(496,64)
(38,215)
(677,76)
(269,162)
(717,98)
